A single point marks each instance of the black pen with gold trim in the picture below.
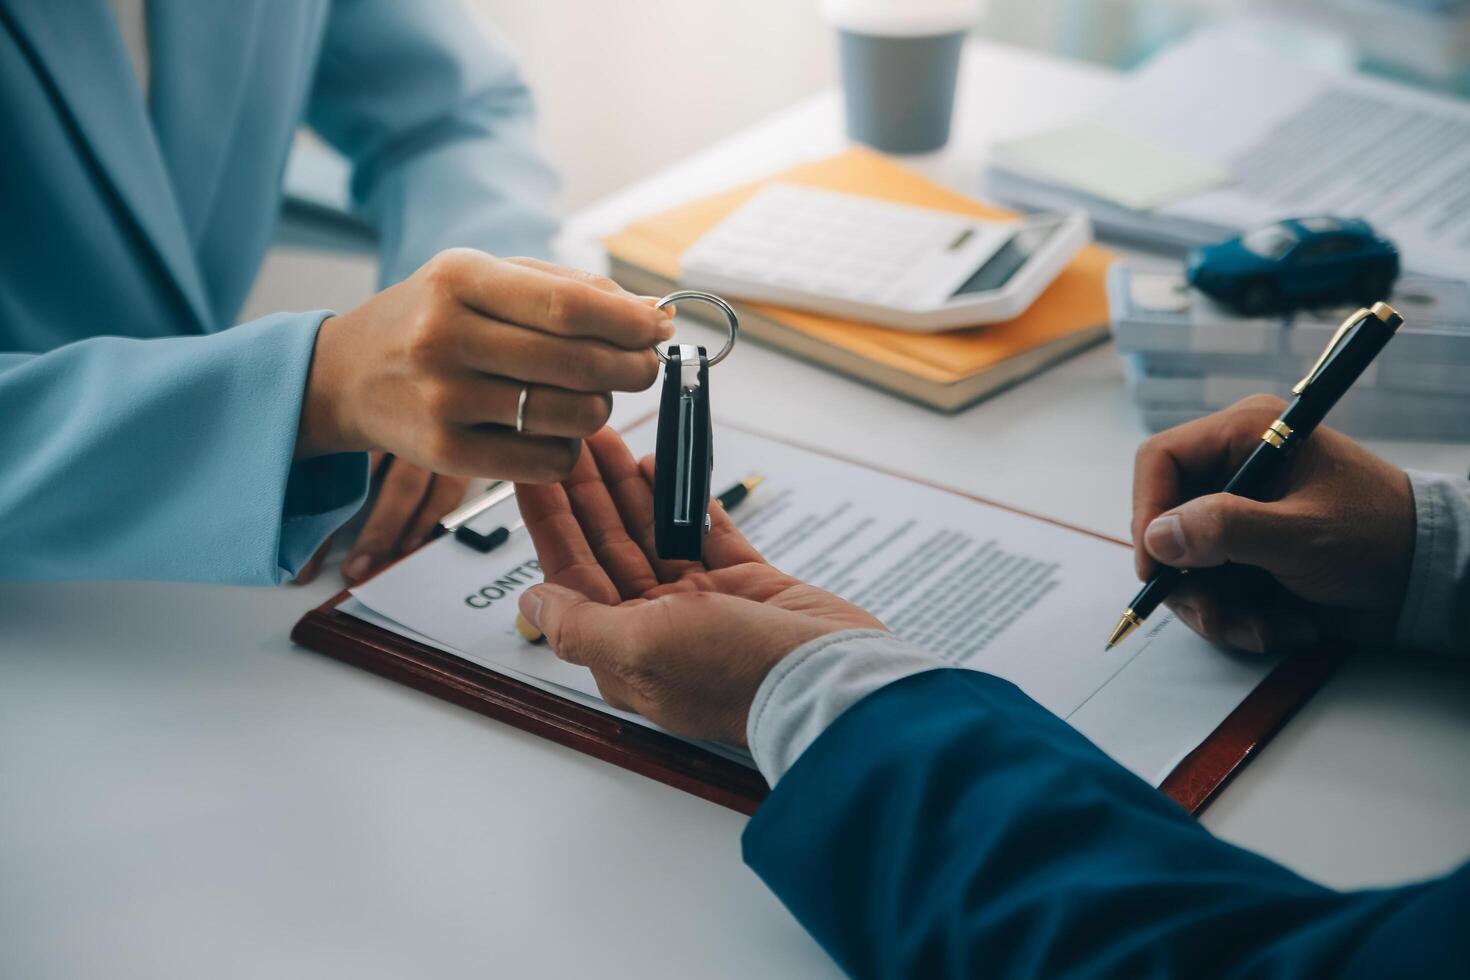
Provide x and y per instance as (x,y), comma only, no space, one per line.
(1354,346)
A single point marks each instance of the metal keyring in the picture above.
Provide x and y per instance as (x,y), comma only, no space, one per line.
(714,301)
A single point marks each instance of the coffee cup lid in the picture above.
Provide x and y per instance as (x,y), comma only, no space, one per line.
(902,18)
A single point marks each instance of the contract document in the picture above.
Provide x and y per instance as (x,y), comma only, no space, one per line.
(977,585)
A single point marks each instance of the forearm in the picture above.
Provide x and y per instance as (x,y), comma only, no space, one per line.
(808,690)
(167,459)
(1436,612)
(489,192)
(949,826)
(439,127)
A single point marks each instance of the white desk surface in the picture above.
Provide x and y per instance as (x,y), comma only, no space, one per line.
(183,793)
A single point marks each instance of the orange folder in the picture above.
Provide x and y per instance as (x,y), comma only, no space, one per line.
(945,371)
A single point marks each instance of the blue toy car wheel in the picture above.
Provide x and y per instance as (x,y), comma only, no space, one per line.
(1259,296)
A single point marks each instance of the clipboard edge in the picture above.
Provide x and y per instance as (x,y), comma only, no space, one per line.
(333,633)
(1199,778)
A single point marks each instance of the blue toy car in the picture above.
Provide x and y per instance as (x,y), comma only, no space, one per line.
(1295,263)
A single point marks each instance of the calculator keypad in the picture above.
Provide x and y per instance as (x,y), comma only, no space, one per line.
(838,245)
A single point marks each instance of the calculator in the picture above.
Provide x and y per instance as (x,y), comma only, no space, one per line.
(878,262)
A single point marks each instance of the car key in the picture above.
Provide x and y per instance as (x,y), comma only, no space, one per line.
(684,458)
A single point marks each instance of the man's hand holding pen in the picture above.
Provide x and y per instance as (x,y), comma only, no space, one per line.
(1261,465)
(1328,554)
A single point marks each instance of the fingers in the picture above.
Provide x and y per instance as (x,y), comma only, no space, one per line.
(578,629)
(503,349)
(561,305)
(1156,488)
(313,566)
(580,275)
(445,494)
(1244,615)
(602,516)
(403,489)
(552,609)
(1220,528)
(590,278)
(561,546)
(500,454)
(1192,458)
(583,632)
(631,488)
(499,348)
(724,545)
(474,398)
(592,503)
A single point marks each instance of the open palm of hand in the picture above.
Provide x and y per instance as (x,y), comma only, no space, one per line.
(685,643)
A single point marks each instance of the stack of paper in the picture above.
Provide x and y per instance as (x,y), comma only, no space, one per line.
(1216,135)
(1186,356)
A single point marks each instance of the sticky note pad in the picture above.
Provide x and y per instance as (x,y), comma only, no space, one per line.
(1113,165)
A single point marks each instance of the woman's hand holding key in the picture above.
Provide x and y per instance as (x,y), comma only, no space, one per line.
(433,369)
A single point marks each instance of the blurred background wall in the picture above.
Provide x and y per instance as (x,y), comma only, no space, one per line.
(627,85)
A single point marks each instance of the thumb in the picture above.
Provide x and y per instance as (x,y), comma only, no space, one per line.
(571,622)
(1216,529)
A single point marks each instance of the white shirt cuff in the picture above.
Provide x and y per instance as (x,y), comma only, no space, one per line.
(1436,612)
(817,682)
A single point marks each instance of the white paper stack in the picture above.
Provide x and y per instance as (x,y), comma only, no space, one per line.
(1186,356)
(1216,135)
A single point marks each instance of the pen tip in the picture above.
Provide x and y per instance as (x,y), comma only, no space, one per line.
(751,482)
(1127,623)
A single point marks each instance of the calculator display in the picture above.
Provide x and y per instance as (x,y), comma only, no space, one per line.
(1007,260)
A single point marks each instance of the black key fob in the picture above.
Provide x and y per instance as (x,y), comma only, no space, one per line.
(684,457)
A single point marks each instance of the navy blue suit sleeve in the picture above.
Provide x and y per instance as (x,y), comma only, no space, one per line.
(949,826)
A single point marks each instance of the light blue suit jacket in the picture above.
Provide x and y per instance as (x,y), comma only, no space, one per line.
(139,438)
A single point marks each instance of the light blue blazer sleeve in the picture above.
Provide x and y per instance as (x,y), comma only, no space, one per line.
(169,456)
(439,126)
(167,459)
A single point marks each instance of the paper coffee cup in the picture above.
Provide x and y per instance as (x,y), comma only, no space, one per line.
(900,64)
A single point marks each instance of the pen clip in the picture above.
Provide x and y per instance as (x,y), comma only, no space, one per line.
(1352,321)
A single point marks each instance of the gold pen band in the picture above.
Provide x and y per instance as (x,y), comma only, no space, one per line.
(1277,434)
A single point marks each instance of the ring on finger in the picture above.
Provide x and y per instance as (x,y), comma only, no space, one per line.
(521,408)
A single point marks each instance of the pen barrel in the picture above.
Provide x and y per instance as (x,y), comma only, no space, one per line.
(1338,372)
(1254,476)
(1155,591)
(733,497)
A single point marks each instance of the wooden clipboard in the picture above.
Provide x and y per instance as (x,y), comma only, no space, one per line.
(1193,784)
